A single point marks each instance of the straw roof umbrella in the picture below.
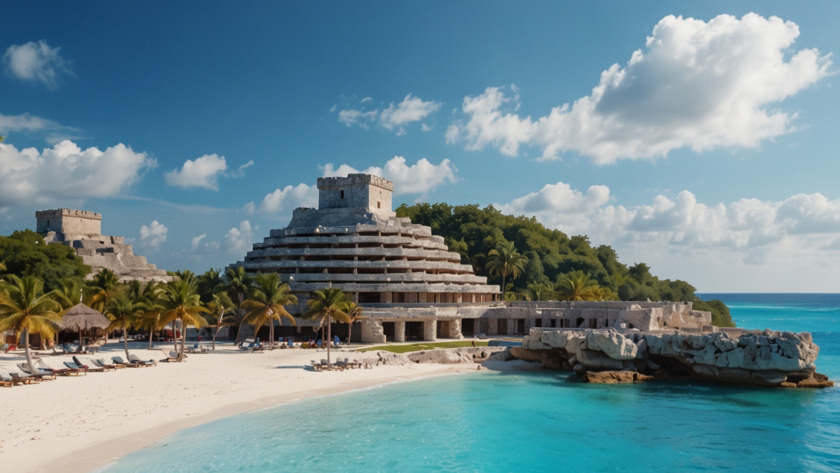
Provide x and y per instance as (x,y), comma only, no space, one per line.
(81,317)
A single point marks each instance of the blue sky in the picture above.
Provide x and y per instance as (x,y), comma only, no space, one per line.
(713,157)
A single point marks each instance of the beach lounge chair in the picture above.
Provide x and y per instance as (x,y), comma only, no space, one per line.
(28,379)
(118,360)
(133,358)
(45,375)
(196,349)
(62,371)
(89,368)
(170,357)
(101,363)
(342,365)
(74,367)
(6,382)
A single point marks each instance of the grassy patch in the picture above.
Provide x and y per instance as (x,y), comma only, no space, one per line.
(424,346)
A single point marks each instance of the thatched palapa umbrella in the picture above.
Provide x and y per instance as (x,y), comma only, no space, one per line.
(81,317)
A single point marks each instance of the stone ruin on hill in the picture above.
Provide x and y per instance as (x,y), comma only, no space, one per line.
(81,230)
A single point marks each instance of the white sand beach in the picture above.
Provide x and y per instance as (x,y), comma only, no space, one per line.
(81,424)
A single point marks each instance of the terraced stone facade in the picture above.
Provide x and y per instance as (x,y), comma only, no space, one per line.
(81,230)
(356,243)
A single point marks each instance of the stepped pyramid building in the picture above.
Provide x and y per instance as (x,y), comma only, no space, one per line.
(82,230)
(407,281)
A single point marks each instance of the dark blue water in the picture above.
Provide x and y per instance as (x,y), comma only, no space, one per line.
(500,422)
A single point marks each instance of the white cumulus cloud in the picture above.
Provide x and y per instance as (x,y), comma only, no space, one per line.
(395,116)
(418,178)
(153,235)
(239,241)
(36,62)
(66,171)
(203,172)
(752,229)
(290,197)
(699,85)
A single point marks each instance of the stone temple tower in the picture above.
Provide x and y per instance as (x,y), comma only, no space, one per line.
(82,230)
(354,241)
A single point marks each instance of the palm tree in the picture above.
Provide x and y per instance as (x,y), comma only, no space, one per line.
(25,309)
(218,306)
(210,284)
(123,312)
(354,314)
(266,303)
(69,294)
(239,283)
(505,261)
(101,288)
(577,286)
(150,307)
(181,302)
(324,306)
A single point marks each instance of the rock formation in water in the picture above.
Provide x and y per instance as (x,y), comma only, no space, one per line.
(735,356)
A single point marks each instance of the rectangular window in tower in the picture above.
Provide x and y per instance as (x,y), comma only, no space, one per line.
(378,205)
(342,194)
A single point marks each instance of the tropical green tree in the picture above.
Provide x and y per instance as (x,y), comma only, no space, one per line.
(324,306)
(2,264)
(505,261)
(25,254)
(69,294)
(124,313)
(150,307)
(576,286)
(25,309)
(266,301)
(209,284)
(238,284)
(100,289)
(219,304)
(181,302)
(354,314)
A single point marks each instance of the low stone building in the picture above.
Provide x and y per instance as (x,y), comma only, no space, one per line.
(82,230)
(406,279)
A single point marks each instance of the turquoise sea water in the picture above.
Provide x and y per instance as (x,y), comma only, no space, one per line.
(500,422)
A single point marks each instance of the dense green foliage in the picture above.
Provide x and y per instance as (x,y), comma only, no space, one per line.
(25,254)
(474,232)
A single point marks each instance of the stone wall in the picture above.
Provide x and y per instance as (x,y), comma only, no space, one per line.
(68,221)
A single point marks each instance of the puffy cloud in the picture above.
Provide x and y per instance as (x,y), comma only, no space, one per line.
(696,84)
(752,228)
(395,116)
(240,240)
(203,172)
(290,197)
(411,109)
(153,235)
(559,204)
(197,241)
(420,177)
(66,171)
(36,62)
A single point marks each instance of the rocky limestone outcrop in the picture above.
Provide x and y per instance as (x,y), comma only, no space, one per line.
(440,356)
(454,355)
(760,358)
(613,377)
